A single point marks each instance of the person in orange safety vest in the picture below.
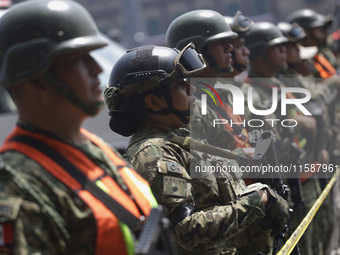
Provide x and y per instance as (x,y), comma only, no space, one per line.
(51,169)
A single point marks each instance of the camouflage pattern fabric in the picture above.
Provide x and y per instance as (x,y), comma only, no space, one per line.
(47,217)
(324,218)
(202,128)
(328,53)
(219,136)
(319,93)
(311,243)
(261,101)
(224,207)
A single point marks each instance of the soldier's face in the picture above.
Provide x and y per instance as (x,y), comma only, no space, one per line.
(241,52)
(182,97)
(292,51)
(79,72)
(277,55)
(319,34)
(220,50)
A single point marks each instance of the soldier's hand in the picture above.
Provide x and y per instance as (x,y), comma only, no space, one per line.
(250,152)
(264,197)
(277,210)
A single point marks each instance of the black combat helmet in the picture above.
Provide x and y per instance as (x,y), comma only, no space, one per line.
(147,69)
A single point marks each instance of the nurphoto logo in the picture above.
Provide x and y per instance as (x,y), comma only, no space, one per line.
(238,103)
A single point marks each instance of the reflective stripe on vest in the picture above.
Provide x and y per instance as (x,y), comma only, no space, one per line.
(323,66)
(108,226)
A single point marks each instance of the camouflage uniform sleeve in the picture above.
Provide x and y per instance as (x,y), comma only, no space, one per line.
(202,127)
(208,226)
(27,227)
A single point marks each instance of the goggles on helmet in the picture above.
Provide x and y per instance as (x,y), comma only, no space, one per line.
(296,33)
(241,23)
(187,63)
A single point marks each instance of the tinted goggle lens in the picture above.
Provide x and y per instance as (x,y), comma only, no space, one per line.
(296,32)
(243,22)
(190,60)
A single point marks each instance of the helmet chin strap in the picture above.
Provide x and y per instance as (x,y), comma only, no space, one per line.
(294,65)
(171,109)
(61,88)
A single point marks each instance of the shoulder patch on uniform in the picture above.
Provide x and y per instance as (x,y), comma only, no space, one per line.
(6,210)
(175,186)
(9,208)
(168,166)
(174,168)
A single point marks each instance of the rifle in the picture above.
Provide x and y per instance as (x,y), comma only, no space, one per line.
(292,157)
(265,148)
(155,237)
(265,152)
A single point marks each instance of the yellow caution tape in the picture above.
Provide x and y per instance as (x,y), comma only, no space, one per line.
(288,247)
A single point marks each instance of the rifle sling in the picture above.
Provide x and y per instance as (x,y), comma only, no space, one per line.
(110,203)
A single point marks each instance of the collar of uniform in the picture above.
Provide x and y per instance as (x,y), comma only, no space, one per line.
(147,132)
(289,73)
(32,128)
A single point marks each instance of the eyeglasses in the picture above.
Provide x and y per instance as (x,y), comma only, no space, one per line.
(296,33)
(189,62)
(241,23)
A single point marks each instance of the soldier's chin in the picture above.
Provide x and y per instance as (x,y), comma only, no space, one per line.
(190,118)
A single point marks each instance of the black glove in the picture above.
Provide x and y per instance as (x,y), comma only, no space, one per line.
(277,213)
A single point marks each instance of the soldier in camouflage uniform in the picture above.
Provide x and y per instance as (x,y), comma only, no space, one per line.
(315,25)
(149,98)
(216,48)
(267,58)
(240,25)
(324,63)
(320,94)
(46,66)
